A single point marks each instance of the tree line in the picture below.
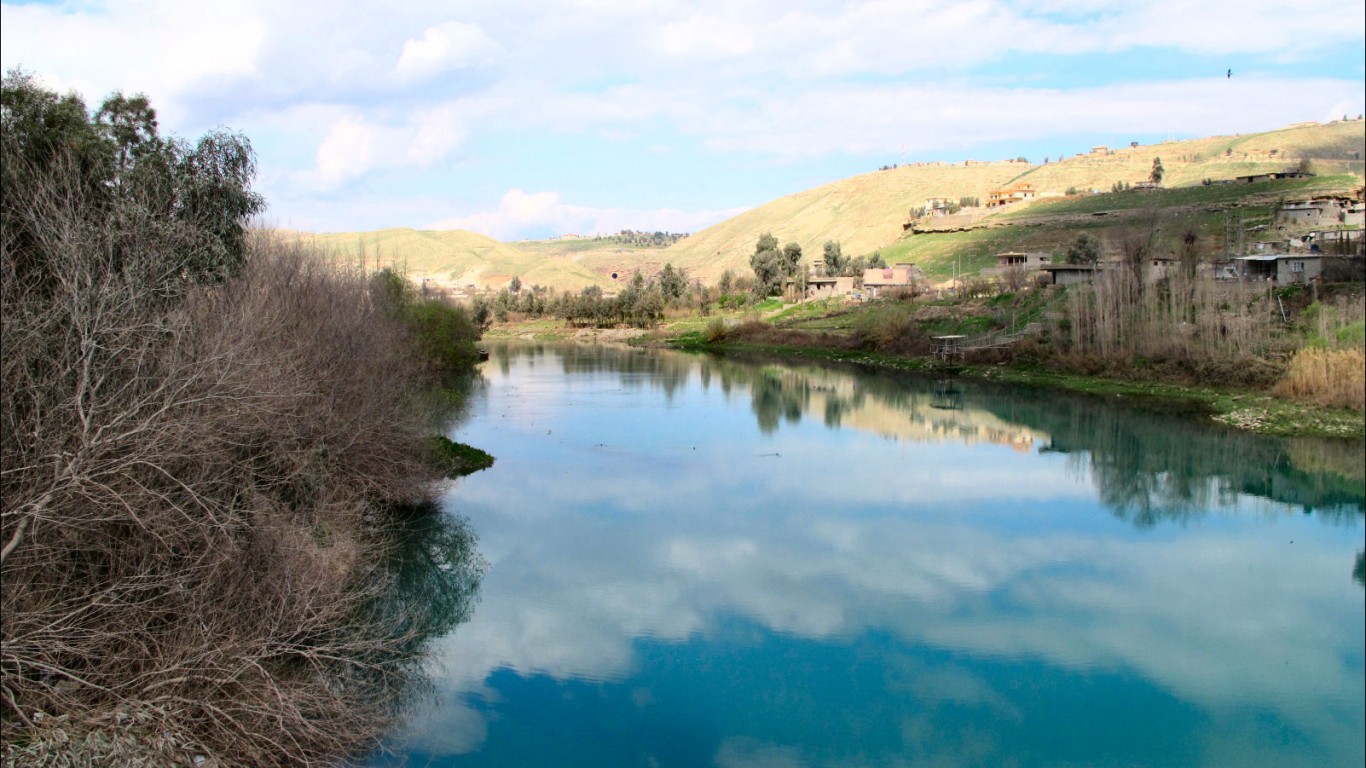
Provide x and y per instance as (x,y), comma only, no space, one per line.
(643,239)
(774,267)
(641,303)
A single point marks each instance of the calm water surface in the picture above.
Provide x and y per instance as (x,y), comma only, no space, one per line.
(724,562)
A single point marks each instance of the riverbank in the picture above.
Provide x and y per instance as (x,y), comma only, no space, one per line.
(1245,409)
(1253,411)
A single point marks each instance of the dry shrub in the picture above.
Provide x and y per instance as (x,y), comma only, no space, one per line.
(716,330)
(1326,377)
(192,499)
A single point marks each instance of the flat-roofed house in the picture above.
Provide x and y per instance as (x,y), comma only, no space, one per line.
(1282,268)
(1018,260)
(829,287)
(1014,193)
(898,276)
(1071,274)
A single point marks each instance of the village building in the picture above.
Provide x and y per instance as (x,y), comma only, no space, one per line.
(829,287)
(1012,194)
(1321,211)
(1281,268)
(939,206)
(1071,274)
(1016,260)
(1159,267)
(1276,176)
(1331,241)
(898,276)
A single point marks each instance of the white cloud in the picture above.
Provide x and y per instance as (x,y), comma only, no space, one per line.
(575,585)
(451,45)
(706,36)
(535,214)
(776,79)
(929,117)
(350,149)
(165,49)
(354,146)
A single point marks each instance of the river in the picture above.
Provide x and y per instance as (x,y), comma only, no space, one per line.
(707,561)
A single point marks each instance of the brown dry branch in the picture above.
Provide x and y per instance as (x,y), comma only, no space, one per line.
(193,482)
(1191,322)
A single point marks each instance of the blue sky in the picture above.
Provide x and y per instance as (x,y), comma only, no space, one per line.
(529,119)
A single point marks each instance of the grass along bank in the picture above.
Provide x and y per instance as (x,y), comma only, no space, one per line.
(1226,349)
(1248,410)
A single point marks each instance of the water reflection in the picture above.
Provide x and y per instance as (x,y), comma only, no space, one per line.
(719,571)
(425,587)
(1148,465)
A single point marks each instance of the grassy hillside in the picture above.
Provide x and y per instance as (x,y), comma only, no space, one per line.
(1050,225)
(862,213)
(609,261)
(1331,149)
(451,258)
(865,213)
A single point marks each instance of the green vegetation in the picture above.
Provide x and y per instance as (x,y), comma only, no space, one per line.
(1200,195)
(1224,346)
(642,239)
(1084,250)
(207,436)
(459,459)
(443,332)
(773,267)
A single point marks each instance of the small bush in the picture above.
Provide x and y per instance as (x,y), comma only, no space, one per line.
(458,459)
(715,330)
(1353,335)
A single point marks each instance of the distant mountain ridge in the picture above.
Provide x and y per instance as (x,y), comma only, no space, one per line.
(864,213)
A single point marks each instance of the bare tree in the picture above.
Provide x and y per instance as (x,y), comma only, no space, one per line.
(192,495)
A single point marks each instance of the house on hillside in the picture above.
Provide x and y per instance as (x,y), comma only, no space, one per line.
(1071,274)
(829,287)
(899,276)
(1159,267)
(1256,177)
(940,206)
(1281,268)
(1336,241)
(1320,211)
(1012,194)
(1016,260)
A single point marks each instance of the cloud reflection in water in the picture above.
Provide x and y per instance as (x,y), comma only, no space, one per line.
(670,521)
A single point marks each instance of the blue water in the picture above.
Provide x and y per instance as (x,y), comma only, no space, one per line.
(699,561)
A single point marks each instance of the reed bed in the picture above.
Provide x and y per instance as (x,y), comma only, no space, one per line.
(1328,377)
